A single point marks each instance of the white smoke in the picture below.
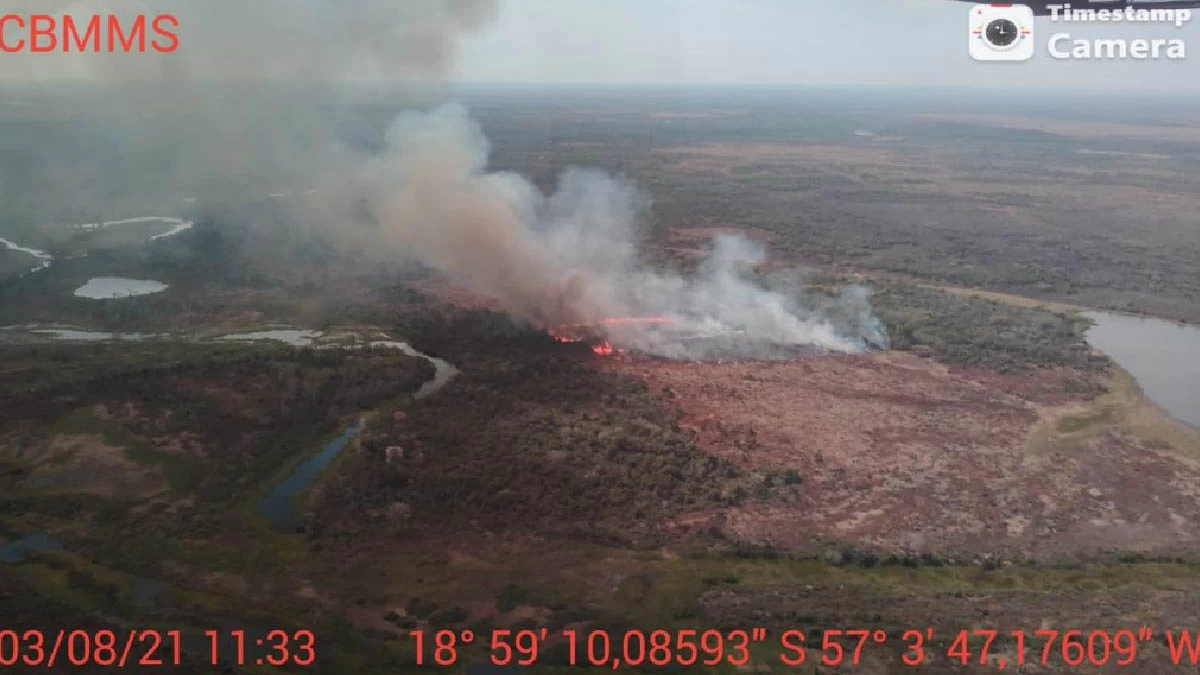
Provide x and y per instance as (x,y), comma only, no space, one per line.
(250,98)
(571,257)
(214,108)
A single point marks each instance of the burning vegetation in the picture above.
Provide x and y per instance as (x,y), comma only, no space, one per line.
(595,335)
(570,260)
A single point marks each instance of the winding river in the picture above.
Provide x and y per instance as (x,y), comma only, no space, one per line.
(281,506)
(1162,355)
(45,259)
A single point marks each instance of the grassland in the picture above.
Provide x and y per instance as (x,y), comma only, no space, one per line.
(1056,208)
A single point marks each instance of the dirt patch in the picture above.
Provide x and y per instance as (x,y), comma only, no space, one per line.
(86,464)
(740,152)
(681,115)
(899,452)
(183,443)
(1011,299)
(1074,128)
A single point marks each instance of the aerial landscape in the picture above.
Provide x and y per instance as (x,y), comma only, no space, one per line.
(488,357)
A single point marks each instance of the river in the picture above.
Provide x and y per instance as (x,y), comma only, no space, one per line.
(111,288)
(1164,357)
(281,506)
(44,259)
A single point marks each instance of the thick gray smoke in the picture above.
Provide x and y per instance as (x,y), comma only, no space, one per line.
(569,258)
(247,105)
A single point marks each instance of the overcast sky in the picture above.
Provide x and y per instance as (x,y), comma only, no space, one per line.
(893,42)
(799,42)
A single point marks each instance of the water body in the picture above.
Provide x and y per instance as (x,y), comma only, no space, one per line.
(280,507)
(145,592)
(296,338)
(1162,355)
(111,288)
(177,225)
(14,551)
(43,259)
(73,335)
(443,371)
(91,336)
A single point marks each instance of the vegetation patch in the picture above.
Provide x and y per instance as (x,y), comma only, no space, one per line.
(975,331)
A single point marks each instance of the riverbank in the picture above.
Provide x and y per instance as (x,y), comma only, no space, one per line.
(45,259)
(1162,356)
(283,506)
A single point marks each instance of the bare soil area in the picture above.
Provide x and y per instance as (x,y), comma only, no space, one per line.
(897,452)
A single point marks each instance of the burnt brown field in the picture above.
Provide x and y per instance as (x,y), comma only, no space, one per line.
(899,453)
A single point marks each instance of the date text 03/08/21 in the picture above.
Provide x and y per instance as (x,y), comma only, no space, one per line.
(144,648)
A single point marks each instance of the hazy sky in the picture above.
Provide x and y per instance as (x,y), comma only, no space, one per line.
(894,42)
(821,42)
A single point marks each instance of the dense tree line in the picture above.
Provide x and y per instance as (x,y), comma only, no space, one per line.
(978,332)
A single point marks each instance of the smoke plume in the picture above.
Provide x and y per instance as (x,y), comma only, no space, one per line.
(252,102)
(218,120)
(570,258)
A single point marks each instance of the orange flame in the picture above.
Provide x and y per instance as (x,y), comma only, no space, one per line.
(582,332)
